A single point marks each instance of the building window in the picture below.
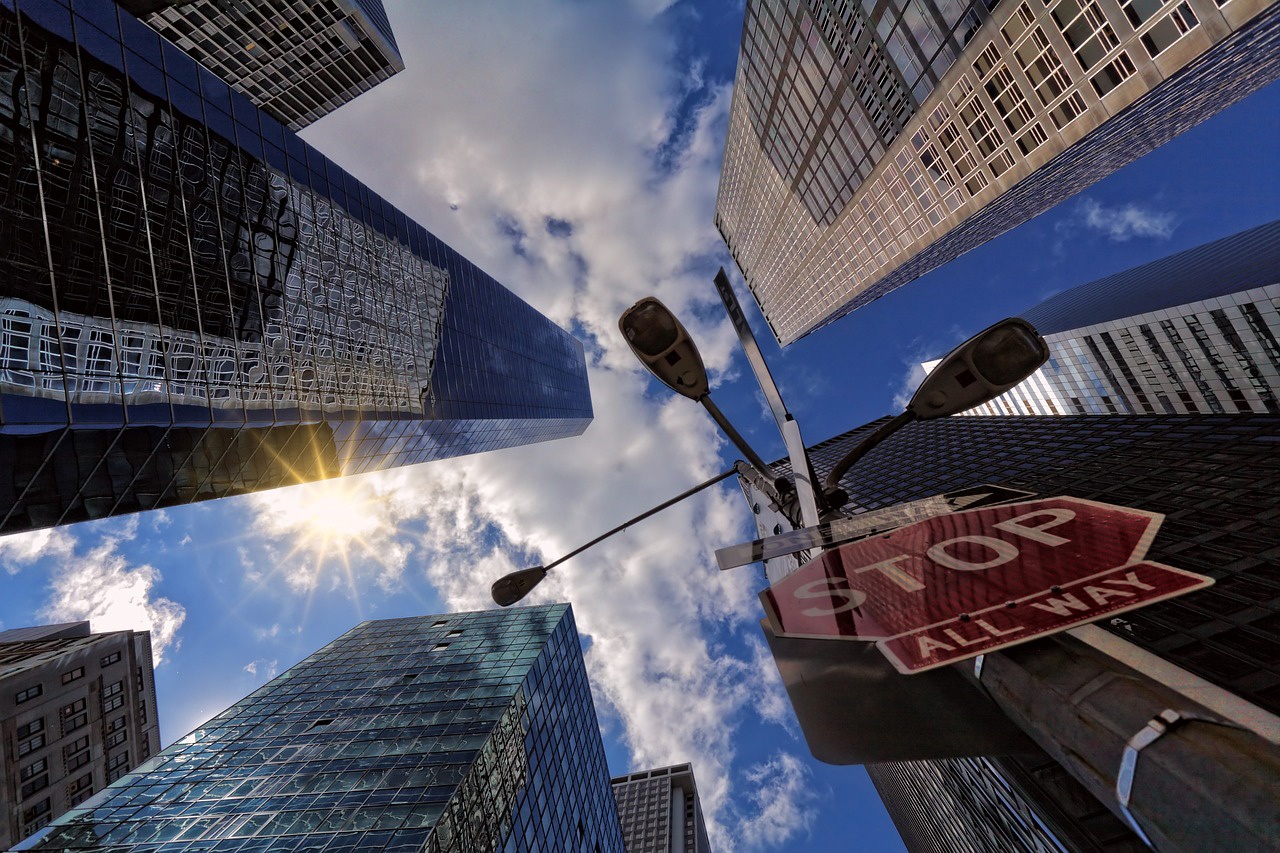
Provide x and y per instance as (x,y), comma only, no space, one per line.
(74,716)
(1086,29)
(80,790)
(68,677)
(37,766)
(114,657)
(76,754)
(30,744)
(36,725)
(117,766)
(36,817)
(1113,73)
(112,696)
(117,738)
(37,784)
(1172,27)
(28,694)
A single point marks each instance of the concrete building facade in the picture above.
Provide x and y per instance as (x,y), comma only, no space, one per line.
(841,183)
(77,712)
(660,811)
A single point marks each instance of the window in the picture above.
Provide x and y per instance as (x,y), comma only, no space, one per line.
(36,725)
(117,766)
(114,657)
(1086,29)
(38,766)
(75,746)
(36,811)
(28,694)
(117,738)
(1113,73)
(74,716)
(80,790)
(30,744)
(113,697)
(68,677)
(34,785)
(1172,27)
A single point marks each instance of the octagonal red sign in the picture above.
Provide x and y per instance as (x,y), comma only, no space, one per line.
(961,584)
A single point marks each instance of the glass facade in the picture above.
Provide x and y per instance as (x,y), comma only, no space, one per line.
(196,303)
(843,181)
(297,60)
(1198,331)
(460,732)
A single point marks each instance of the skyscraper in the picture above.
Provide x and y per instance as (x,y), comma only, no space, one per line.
(869,144)
(458,732)
(78,710)
(660,811)
(1213,476)
(298,61)
(1194,332)
(196,303)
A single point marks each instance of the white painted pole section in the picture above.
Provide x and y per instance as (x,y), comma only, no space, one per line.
(1239,711)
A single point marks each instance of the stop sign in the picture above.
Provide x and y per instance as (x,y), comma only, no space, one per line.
(958,585)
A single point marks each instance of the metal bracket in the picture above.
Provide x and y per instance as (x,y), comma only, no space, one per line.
(1155,728)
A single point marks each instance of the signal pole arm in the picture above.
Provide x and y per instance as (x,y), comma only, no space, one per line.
(737,439)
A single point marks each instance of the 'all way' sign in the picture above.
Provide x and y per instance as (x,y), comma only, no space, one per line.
(958,585)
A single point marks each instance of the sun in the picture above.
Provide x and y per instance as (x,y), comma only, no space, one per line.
(335,512)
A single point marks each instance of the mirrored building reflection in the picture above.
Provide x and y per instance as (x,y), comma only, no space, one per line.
(460,732)
(195,303)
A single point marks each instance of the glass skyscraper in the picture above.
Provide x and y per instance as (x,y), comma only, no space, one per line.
(196,303)
(1198,331)
(298,60)
(460,732)
(869,143)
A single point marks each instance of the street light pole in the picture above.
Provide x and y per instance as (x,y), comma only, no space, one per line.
(509,589)
(666,349)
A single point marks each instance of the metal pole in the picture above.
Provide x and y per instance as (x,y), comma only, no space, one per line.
(740,442)
(1181,775)
(809,498)
(724,475)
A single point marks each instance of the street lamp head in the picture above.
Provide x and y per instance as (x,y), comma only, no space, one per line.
(980,369)
(509,589)
(663,346)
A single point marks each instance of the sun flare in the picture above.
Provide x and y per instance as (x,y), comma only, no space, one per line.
(333,512)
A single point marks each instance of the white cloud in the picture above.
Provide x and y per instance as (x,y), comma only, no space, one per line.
(1118,224)
(19,550)
(598,124)
(102,587)
(268,668)
(785,804)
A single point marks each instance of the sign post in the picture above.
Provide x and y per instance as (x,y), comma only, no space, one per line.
(963,584)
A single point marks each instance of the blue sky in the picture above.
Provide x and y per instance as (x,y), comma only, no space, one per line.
(572,150)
